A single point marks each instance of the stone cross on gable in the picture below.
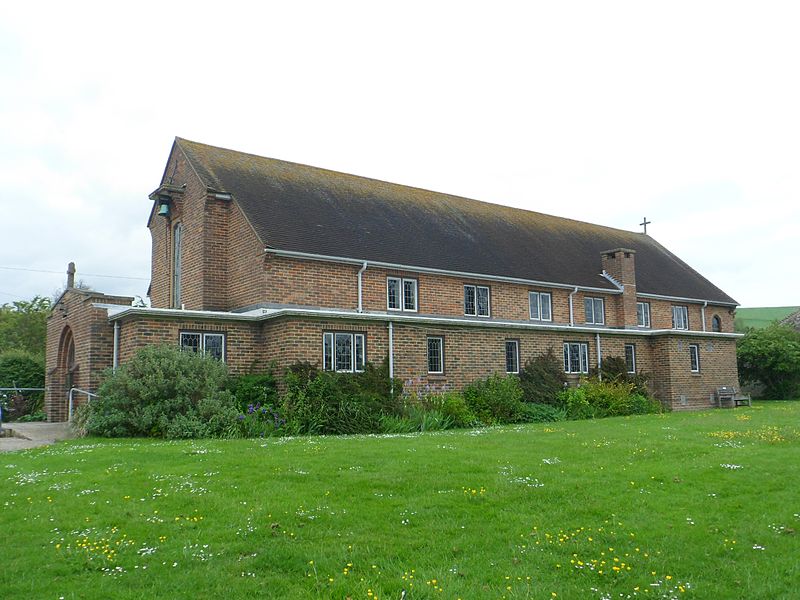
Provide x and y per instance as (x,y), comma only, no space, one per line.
(644,224)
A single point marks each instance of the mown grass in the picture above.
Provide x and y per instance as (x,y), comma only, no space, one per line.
(701,505)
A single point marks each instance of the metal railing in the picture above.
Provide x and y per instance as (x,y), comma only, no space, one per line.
(89,396)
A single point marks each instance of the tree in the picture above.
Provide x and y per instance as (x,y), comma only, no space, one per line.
(771,356)
(23,325)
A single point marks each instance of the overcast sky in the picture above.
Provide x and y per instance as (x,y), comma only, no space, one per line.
(686,113)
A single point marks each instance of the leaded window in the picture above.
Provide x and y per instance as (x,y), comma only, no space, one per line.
(680,317)
(576,357)
(208,344)
(630,358)
(643,314)
(343,352)
(476,301)
(594,309)
(540,306)
(435,355)
(512,356)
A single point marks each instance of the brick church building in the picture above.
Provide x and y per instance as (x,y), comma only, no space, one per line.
(258,261)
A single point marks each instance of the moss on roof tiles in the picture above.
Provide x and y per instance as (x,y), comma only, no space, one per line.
(309,209)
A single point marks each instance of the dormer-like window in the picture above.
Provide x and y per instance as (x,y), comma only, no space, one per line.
(177,239)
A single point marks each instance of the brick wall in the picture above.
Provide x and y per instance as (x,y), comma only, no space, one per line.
(73,315)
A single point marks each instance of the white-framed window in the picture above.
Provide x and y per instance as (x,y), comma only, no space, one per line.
(595,311)
(476,301)
(343,352)
(401,294)
(209,344)
(540,306)
(643,314)
(512,356)
(435,355)
(680,317)
(576,357)
(177,239)
(630,358)
(694,357)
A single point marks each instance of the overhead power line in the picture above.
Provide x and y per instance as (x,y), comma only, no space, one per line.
(64,272)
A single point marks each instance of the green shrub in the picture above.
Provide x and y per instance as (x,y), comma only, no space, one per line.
(163,392)
(541,413)
(321,402)
(21,369)
(393,424)
(771,356)
(615,369)
(595,399)
(453,406)
(542,378)
(496,399)
(254,390)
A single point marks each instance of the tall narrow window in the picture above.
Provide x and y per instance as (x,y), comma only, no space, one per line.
(540,306)
(435,355)
(476,301)
(576,357)
(680,317)
(177,239)
(643,314)
(343,352)
(716,324)
(512,356)
(694,357)
(630,358)
(595,313)
(410,294)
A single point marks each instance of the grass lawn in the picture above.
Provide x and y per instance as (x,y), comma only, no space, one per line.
(699,505)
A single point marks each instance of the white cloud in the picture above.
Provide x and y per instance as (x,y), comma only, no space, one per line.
(605,112)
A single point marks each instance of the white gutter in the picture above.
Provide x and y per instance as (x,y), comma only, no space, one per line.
(703,314)
(360,286)
(115,358)
(418,269)
(265,314)
(680,299)
(571,311)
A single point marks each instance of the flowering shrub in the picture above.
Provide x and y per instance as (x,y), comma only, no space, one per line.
(595,399)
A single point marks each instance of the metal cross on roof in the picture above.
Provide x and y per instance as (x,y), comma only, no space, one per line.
(644,224)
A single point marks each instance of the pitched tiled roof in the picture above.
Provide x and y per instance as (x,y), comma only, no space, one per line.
(307,209)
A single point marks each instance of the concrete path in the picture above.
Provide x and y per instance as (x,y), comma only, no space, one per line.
(21,436)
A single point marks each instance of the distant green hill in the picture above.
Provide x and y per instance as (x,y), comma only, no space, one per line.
(758,318)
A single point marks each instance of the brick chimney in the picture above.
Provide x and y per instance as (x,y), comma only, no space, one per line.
(620,265)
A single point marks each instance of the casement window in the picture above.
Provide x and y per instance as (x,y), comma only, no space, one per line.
(476,300)
(177,239)
(540,306)
(343,352)
(209,344)
(643,314)
(716,324)
(401,294)
(595,311)
(680,317)
(694,357)
(630,358)
(576,357)
(512,356)
(435,355)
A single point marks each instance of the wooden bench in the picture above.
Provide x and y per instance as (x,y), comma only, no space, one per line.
(728,395)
